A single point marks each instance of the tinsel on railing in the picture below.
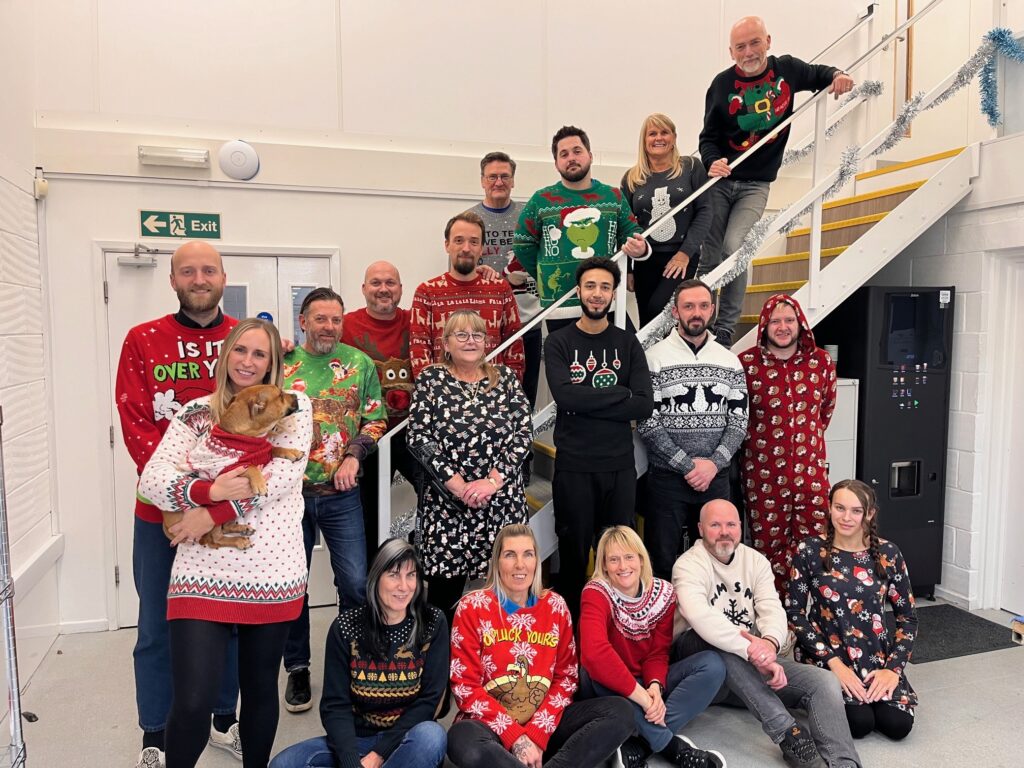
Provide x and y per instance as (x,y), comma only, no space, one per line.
(866,89)
(997,42)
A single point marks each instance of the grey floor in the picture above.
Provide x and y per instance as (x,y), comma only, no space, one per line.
(970,713)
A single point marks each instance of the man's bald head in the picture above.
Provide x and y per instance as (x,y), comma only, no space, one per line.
(749,43)
(198,277)
(720,529)
(382,289)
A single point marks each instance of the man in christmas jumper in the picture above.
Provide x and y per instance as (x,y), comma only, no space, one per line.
(348,419)
(727,601)
(381,330)
(165,364)
(742,104)
(573,219)
(599,380)
(698,423)
(500,215)
(792,385)
(463,287)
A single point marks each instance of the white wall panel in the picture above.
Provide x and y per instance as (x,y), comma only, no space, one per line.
(243,62)
(24,408)
(21,309)
(23,360)
(16,102)
(17,207)
(27,507)
(459,71)
(19,260)
(25,457)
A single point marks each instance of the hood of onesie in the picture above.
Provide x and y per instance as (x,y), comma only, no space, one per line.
(805,342)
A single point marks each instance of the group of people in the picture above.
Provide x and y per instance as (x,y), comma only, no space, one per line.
(216,621)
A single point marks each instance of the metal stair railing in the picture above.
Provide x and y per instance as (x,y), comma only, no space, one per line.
(819,102)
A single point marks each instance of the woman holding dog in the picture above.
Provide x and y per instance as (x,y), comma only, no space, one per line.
(838,587)
(470,428)
(214,590)
(385,669)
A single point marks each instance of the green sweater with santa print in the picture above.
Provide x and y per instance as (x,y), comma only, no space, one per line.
(559,227)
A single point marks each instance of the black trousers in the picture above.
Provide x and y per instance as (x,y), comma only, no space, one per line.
(878,716)
(653,290)
(400,460)
(671,515)
(531,374)
(587,735)
(198,649)
(585,504)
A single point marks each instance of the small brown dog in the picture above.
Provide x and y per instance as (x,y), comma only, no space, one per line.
(240,439)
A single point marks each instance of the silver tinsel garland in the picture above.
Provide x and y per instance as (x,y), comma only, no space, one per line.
(866,89)
(660,326)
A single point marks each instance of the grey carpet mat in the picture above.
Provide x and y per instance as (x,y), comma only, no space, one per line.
(945,632)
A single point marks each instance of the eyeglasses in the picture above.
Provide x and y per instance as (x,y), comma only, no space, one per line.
(465,336)
(505,178)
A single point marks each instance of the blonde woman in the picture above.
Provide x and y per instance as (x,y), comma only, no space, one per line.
(470,428)
(626,619)
(660,180)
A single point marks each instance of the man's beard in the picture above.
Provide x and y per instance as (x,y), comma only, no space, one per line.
(596,314)
(191,303)
(724,548)
(322,346)
(687,328)
(577,175)
(464,266)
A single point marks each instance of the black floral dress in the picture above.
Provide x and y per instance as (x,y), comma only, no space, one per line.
(462,429)
(840,613)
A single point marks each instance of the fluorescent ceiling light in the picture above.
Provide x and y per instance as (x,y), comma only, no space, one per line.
(182,157)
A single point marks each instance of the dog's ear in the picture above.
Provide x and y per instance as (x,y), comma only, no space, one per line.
(258,404)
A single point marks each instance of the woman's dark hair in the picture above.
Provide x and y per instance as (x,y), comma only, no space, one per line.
(866,496)
(393,554)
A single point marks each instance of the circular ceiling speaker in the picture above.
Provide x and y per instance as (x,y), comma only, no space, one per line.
(239,160)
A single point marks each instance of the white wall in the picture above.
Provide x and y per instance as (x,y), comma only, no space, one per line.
(967,248)
(24,382)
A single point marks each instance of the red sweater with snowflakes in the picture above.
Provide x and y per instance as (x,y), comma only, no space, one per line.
(436,300)
(622,640)
(163,366)
(503,664)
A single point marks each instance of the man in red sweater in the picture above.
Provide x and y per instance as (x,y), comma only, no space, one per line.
(464,287)
(381,330)
(164,364)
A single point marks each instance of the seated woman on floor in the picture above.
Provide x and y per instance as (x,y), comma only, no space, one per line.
(838,588)
(626,617)
(513,673)
(385,669)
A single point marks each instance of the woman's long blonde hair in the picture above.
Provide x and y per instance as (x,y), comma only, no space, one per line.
(627,540)
(222,395)
(638,174)
(468,320)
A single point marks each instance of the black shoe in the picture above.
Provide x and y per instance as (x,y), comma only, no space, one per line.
(630,754)
(297,695)
(799,749)
(682,753)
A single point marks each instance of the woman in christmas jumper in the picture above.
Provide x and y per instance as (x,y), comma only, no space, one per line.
(470,427)
(212,591)
(513,674)
(385,669)
(838,588)
(626,617)
(660,180)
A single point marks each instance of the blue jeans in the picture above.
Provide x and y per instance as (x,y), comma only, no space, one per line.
(691,686)
(152,557)
(737,206)
(423,747)
(339,516)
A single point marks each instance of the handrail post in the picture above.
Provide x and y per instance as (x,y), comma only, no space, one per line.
(620,292)
(384,488)
(814,259)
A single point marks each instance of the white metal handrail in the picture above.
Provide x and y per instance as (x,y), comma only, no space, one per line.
(819,102)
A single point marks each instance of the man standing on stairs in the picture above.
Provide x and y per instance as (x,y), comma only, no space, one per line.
(699,421)
(792,386)
(599,380)
(742,104)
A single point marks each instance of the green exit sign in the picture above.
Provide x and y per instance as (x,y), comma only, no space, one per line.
(187,226)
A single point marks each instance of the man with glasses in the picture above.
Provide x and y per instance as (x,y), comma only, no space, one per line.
(500,214)
(463,287)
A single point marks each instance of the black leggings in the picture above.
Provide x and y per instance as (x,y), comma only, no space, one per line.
(198,650)
(885,718)
(443,592)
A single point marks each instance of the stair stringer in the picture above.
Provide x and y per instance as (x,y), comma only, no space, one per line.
(889,237)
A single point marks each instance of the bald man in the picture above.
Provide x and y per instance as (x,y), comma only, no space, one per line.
(164,364)
(381,330)
(725,592)
(743,104)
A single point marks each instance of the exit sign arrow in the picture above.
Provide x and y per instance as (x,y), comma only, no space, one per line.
(152,224)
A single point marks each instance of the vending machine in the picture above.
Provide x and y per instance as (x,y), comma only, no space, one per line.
(898,342)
